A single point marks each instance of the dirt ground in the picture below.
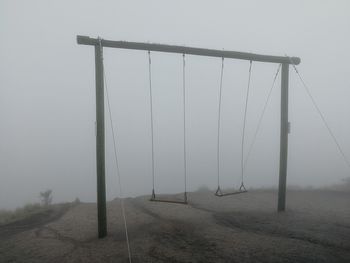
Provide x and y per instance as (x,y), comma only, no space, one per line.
(239,228)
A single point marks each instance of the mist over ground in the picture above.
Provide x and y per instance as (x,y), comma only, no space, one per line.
(47,99)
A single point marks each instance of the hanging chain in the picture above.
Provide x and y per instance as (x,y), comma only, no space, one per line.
(244,124)
(184,124)
(151,112)
(262,116)
(219,124)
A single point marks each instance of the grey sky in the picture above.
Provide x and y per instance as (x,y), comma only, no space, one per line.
(47,94)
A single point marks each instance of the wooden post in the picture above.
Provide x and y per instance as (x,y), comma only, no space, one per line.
(284,139)
(100,144)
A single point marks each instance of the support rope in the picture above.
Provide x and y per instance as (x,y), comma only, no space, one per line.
(322,116)
(262,116)
(116,161)
(244,125)
(219,125)
(151,110)
(184,124)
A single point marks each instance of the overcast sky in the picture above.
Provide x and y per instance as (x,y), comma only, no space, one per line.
(47,99)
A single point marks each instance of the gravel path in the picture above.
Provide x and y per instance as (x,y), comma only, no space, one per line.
(243,228)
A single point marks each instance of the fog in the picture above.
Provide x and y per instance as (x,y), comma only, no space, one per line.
(47,99)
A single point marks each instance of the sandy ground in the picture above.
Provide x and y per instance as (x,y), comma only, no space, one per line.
(240,228)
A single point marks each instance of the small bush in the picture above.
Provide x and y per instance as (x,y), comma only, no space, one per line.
(5,215)
(46,197)
(20,213)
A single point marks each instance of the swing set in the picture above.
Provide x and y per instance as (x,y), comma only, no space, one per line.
(283,64)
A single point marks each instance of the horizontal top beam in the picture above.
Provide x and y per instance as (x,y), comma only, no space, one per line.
(84,40)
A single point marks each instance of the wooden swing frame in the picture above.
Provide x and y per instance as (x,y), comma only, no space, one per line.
(99,44)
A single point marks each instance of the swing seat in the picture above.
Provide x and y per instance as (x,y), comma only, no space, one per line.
(230,193)
(241,190)
(169,201)
(174,201)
